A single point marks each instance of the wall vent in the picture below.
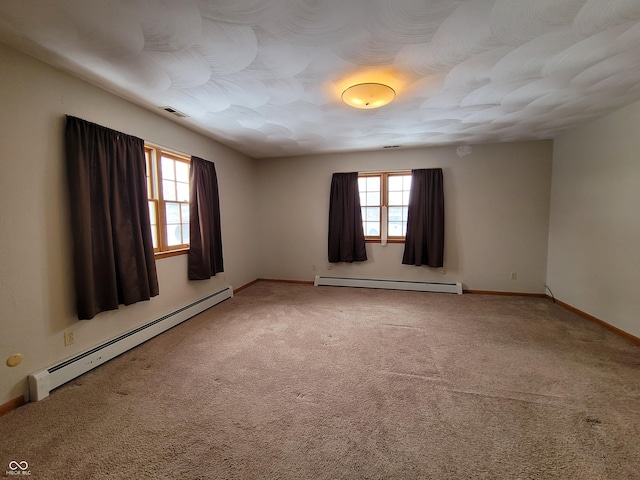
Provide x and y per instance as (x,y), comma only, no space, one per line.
(391,146)
(175,112)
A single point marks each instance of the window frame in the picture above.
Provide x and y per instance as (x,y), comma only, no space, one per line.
(155,195)
(384,202)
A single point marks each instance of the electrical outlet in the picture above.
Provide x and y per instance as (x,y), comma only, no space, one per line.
(68,338)
(313,267)
(514,275)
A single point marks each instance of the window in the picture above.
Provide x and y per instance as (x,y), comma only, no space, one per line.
(384,198)
(168,193)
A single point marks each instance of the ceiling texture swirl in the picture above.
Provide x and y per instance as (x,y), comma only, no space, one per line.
(265,77)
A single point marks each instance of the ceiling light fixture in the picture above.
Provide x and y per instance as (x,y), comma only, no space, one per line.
(368,95)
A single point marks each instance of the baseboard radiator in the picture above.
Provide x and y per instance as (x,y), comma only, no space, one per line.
(389,284)
(42,382)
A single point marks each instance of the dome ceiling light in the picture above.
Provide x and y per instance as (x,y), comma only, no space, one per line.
(368,95)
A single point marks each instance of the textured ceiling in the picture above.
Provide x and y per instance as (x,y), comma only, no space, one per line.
(265,76)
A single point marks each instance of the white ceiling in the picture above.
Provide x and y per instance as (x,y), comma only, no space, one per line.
(265,76)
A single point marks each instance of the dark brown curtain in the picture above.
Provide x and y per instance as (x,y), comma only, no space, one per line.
(424,244)
(346,234)
(113,249)
(205,249)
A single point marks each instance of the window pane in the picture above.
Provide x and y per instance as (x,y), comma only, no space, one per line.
(184,208)
(182,172)
(372,214)
(168,181)
(147,167)
(372,229)
(169,190)
(373,198)
(185,233)
(373,184)
(168,169)
(154,235)
(395,229)
(395,214)
(152,213)
(173,235)
(172,211)
(395,183)
(183,192)
(395,198)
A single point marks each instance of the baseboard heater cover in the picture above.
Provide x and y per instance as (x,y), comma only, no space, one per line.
(43,381)
(389,284)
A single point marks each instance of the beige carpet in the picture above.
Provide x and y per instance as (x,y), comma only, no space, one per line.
(300,382)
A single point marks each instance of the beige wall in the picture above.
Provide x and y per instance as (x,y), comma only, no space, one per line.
(274,216)
(36,296)
(594,234)
(496,208)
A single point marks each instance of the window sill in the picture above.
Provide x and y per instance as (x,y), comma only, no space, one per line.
(389,240)
(171,253)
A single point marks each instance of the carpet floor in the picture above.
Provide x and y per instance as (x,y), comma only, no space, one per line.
(299,382)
